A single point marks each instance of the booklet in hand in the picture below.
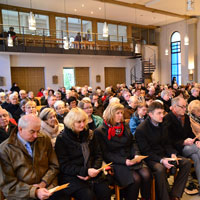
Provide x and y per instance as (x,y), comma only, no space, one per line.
(57,188)
(138,158)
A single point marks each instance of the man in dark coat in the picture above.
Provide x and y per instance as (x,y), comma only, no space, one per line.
(5,125)
(179,129)
(154,143)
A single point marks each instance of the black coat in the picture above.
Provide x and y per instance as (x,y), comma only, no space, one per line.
(3,134)
(153,141)
(68,148)
(176,132)
(117,150)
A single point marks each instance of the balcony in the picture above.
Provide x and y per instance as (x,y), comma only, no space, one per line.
(54,41)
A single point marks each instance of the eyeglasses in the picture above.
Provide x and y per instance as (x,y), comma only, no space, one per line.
(183,107)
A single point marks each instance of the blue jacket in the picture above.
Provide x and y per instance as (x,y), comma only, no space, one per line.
(134,122)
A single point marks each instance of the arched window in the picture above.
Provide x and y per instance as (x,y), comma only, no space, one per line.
(176,57)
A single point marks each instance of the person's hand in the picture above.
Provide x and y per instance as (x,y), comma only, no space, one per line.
(131,162)
(197,144)
(165,162)
(188,141)
(43,193)
(83,178)
(42,184)
(96,104)
(175,157)
(93,172)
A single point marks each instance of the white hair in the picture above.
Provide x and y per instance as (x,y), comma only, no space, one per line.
(2,94)
(12,96)
(114,100)
(58,103)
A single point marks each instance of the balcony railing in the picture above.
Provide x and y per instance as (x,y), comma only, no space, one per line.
(53,41)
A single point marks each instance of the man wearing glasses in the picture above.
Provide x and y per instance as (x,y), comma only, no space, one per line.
(177,124)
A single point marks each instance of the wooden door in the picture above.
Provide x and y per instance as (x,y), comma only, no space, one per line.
(114,75)
(82,76)
(28,78)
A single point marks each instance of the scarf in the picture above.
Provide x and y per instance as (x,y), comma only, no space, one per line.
(114,130)
(195,118)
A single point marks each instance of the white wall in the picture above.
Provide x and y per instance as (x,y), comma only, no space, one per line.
(54,65)
(5,70)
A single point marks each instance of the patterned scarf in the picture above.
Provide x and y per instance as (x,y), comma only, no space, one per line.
(115,130)
(196,119)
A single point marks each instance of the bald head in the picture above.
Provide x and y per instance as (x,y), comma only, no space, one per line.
(4,118)
(29,127)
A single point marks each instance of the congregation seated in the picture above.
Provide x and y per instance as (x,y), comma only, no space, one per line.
(131,107)
(44,98)
(165,98)
(72,102)
(178,127)
(13,106)
(6,126)
(154,142)
(32,98)
(6,102)
(80,158)
(194,94)
(50,102)
(117,145)
(58,95)
(30,108)
(21,178)
(94,121)
(138,117)
(22,95)
(97,104)
(61,110)
(194,114)
(50,125)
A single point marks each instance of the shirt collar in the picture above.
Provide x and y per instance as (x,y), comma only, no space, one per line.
(24,142)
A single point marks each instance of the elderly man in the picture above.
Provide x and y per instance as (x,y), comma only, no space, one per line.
(179,129)
(28,162)
(194,94)
(51,100)
(22,95)
(131,108)
(5,125)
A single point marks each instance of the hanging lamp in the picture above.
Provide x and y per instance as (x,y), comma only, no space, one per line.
(31,20)
(65,39)
(105,25)
(10,41)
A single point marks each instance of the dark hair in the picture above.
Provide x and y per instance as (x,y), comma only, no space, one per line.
(72,99)
(155,105)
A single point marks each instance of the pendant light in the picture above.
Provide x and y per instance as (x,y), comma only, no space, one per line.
(10,41)
(9,38)
(65,39)
(105,25)
(31,20)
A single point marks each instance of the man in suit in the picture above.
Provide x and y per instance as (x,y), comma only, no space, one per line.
(178,127)
(154,143)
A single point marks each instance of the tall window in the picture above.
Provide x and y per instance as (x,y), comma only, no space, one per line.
(115,31)
(176,57)
(10,18)
(74,26)
(61,25)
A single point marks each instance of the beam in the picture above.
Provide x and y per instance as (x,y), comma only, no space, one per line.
(143,7)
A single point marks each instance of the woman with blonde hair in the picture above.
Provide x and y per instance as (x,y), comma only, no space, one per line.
(50,125)
(80,158)
(194,113)
(30,108)
(117,144)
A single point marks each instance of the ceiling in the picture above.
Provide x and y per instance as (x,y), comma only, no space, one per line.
(111,10)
